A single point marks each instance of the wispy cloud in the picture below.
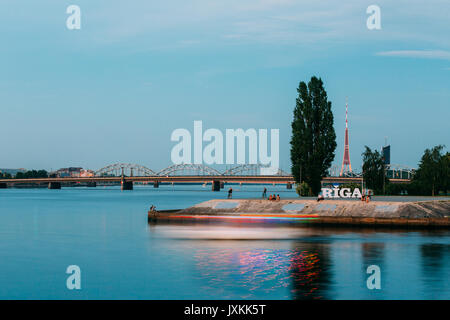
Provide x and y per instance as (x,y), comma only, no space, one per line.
(271,22)
(424,54)
(169,25)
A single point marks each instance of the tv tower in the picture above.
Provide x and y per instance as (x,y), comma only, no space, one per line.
(346,165)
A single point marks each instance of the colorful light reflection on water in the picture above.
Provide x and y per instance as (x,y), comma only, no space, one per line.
(261,270)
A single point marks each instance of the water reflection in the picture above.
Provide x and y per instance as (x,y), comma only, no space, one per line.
(433,256)
(104,231)
(242,262)
(310,271)
(435,269)
(247,273)
(300,273)
(372,253)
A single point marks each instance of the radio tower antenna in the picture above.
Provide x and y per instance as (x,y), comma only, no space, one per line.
(346,165)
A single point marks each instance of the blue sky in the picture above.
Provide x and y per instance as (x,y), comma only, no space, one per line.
(116,89)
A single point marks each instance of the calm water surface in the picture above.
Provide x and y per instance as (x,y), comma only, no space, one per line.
(105,232)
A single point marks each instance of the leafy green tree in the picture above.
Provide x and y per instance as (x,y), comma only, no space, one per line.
(433,172)
(42,174)
(303,189)
(31,174)
(20,175)
(395,189)
(374,170)
(5,175)
(313,139)
(446,173)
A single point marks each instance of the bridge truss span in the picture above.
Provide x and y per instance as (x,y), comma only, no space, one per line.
(253,170)
(188,169)
(125,169)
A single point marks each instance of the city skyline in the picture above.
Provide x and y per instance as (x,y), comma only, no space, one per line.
(114,90)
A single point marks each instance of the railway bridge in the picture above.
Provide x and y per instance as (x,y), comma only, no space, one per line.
(128,174)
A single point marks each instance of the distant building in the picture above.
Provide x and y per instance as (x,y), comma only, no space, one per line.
(386,152)
(69,172)
(12,172)
(86,173)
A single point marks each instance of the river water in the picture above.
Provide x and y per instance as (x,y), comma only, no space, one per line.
(105,232)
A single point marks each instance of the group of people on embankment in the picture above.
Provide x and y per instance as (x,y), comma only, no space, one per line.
(366,196)
(272,197)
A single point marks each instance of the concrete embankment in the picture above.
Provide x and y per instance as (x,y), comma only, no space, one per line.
(434,213)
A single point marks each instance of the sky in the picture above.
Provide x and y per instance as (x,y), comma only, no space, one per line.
(114,90)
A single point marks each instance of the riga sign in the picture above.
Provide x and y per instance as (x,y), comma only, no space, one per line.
(341,193)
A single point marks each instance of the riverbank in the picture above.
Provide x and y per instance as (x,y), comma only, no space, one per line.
(433,213)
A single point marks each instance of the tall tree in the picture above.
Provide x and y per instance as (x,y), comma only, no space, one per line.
(446,172)
(373,170)
(313,139)
(433,172)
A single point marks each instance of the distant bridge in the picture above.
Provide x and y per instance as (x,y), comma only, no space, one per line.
(120,169)
(124,173)
(131,170)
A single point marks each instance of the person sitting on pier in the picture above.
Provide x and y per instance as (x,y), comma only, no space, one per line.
(364,195)
(270,198)
(152,212)
(278,197)
(320,197)
(368,196)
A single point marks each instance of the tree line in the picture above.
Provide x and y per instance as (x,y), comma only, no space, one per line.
(30,174)
(431,178)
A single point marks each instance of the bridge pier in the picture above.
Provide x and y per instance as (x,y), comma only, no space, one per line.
(126,185)
(215,185)
(54,185)
(3,185)
(92,184)
(289,186)
(156,184)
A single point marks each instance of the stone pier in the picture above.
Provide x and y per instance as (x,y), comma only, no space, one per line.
(126,185)
(54,185)
(215,185)
(424,214)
